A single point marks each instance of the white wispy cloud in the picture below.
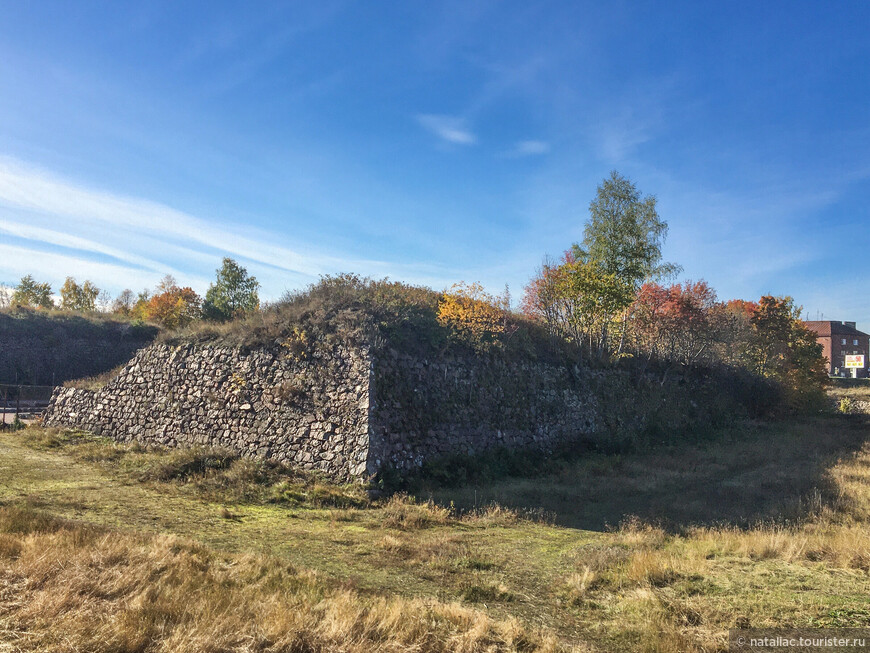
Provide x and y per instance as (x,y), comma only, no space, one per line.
(618,139)
(27,188)
(530,148)
(18,261)
(54,227)
(126,241)
(71,241)
(41,194)
(637,115)
(448,128)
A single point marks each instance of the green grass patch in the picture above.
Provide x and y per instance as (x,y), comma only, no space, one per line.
(217,475)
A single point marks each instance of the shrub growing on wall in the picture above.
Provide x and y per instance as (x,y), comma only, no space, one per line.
(472,315)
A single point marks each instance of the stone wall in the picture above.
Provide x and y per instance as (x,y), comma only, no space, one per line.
(427,409)
(312,413)
(350,412)
(465,405)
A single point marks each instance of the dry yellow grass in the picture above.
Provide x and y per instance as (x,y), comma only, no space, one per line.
(95,382)
(438,549)
(404,513)
(838,535)
(68,587)
(652,584)
(495,515)
(578,585)
(665,591)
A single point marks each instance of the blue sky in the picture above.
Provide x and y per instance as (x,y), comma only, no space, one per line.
(433,142)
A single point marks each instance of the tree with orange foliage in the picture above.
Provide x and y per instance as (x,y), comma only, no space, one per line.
(733,326)
(541,298)
(783,348)
(676,322)
(647,320)
(170,306)
(690,312)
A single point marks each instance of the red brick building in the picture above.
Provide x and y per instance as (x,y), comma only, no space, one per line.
(838,340)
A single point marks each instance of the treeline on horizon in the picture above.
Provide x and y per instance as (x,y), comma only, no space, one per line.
(611,298)
(233,294)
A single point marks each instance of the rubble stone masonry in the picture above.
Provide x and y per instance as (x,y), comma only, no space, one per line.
(351,412)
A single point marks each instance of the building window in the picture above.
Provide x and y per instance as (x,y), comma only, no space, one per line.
(843,341)
(855,341)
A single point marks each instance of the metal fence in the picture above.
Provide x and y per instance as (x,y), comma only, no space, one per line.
(21,398)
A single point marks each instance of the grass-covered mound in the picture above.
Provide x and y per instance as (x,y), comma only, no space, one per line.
(49,325)
(50,347)
(348,309)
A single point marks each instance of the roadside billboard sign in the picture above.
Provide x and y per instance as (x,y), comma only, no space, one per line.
(855,360)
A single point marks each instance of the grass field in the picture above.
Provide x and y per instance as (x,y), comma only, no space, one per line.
(111,548)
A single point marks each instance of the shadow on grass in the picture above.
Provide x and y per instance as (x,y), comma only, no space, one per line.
(770,472)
